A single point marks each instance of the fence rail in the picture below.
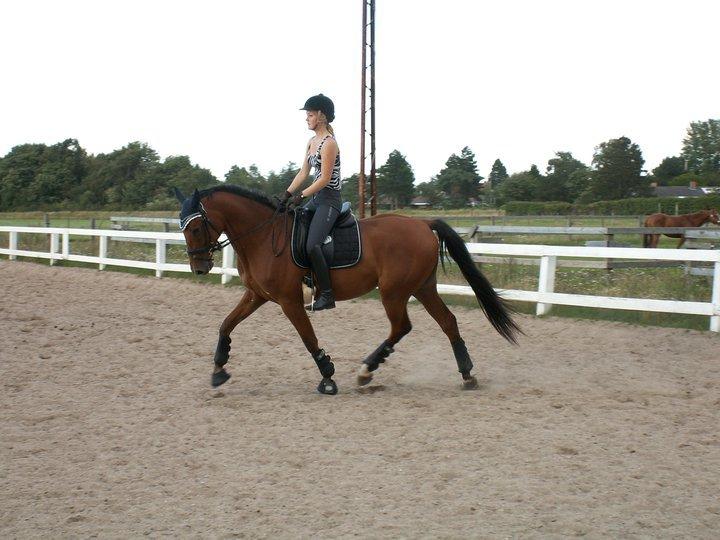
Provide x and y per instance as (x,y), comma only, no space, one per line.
(544,296)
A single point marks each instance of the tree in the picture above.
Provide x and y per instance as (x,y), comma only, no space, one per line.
(277,183)
(559,184)
(701,146)
(395,179)
(111,181)
(498,173)
(459,180)
(37,176)
(349,190)
(522,186)
(670,167)
(175,171)
(618,165)
(430,191)
(249,178)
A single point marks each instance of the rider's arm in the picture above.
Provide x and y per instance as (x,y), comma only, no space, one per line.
(302,174)
(328,153)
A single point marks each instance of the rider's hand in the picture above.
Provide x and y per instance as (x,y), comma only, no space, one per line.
(296,200)
(282,206)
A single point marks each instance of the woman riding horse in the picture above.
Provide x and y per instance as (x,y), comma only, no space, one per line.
(323,155)
(399,257)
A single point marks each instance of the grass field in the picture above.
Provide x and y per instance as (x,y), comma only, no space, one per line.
(661,283)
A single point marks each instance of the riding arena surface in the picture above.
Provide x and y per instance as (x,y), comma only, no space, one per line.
(109,427)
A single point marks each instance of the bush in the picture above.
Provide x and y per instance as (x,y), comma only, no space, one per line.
(637,206)
(535,208)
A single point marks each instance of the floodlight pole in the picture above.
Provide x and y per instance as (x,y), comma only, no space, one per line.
(368,5)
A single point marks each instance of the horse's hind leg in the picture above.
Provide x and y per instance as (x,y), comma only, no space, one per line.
(246,307)
(400,326)
(437,309)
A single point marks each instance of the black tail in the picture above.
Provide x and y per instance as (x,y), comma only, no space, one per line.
(494,307)
(646,240)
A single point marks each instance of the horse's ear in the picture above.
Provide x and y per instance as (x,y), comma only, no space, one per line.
(178,195)
(195,198)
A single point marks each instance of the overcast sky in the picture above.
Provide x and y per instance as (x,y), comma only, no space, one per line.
(222,81)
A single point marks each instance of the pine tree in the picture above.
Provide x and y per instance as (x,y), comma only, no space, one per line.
(498,173)
(701,146)
(459,180)
(395,179)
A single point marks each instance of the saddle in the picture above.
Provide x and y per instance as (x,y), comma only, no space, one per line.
(342,249)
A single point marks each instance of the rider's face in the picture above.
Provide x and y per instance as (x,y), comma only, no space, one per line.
(312,118)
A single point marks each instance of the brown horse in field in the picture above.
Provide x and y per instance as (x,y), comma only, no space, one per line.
(698,219)
(399,256)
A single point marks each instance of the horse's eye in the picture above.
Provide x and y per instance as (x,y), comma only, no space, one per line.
(196,231)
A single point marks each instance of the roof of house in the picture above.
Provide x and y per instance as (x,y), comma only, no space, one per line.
(420,200)
(678,191)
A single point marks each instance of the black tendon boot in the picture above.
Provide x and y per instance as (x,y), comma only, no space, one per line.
(326,299)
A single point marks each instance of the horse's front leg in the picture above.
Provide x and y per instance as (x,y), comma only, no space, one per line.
(248,304)
(295,311)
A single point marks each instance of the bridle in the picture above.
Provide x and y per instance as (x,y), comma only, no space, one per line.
(212,247)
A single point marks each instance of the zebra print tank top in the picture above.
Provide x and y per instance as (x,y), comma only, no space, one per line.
(315,161)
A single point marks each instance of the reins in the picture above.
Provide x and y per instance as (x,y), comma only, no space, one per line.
(212,247)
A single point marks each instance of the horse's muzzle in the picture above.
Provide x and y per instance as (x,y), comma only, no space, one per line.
(200,268)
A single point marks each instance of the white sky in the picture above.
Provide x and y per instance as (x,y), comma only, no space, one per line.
(222,81)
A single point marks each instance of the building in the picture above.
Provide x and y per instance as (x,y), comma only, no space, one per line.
(680,192)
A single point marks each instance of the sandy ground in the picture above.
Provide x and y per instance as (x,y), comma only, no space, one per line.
(108,426)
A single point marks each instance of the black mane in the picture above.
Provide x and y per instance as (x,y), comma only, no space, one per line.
(241,192)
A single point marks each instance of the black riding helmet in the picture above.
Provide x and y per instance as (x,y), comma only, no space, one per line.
(321,103)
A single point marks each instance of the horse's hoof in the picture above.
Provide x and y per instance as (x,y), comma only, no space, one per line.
(470,383)
(364,375)
(327,386)
(219,377)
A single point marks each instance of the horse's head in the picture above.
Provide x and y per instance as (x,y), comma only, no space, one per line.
(201,236)
(714,216)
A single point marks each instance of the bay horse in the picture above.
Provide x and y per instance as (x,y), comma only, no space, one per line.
(399,256)
(697,219)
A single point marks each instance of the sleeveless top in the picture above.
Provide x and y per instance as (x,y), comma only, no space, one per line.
(316,161)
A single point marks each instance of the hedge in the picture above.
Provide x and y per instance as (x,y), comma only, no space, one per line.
(626,207)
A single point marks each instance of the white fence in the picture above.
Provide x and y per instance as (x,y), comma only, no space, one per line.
(545,296)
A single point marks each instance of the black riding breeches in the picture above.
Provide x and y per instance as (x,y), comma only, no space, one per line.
(323,220)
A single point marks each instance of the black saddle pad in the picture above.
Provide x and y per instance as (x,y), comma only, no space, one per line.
(344,248)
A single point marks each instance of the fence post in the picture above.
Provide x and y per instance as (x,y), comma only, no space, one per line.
(65,245)
(715,319)
(159,256)
(227,263)
(54,247)
(546,281)
(102,253)
(13,243)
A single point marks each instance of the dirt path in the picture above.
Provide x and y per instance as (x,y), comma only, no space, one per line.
(108,426)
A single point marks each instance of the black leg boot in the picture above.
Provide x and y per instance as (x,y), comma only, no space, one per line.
(326,299)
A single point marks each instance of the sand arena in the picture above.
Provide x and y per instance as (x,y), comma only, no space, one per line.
(108,425)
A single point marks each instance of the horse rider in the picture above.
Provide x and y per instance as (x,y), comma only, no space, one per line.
(323,155)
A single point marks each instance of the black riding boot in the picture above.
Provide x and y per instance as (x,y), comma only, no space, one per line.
(326,299)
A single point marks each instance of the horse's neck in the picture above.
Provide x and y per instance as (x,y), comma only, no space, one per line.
(699,218)
(241,215)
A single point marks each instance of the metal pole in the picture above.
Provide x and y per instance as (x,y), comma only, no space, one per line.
(373,182)
(361,179)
